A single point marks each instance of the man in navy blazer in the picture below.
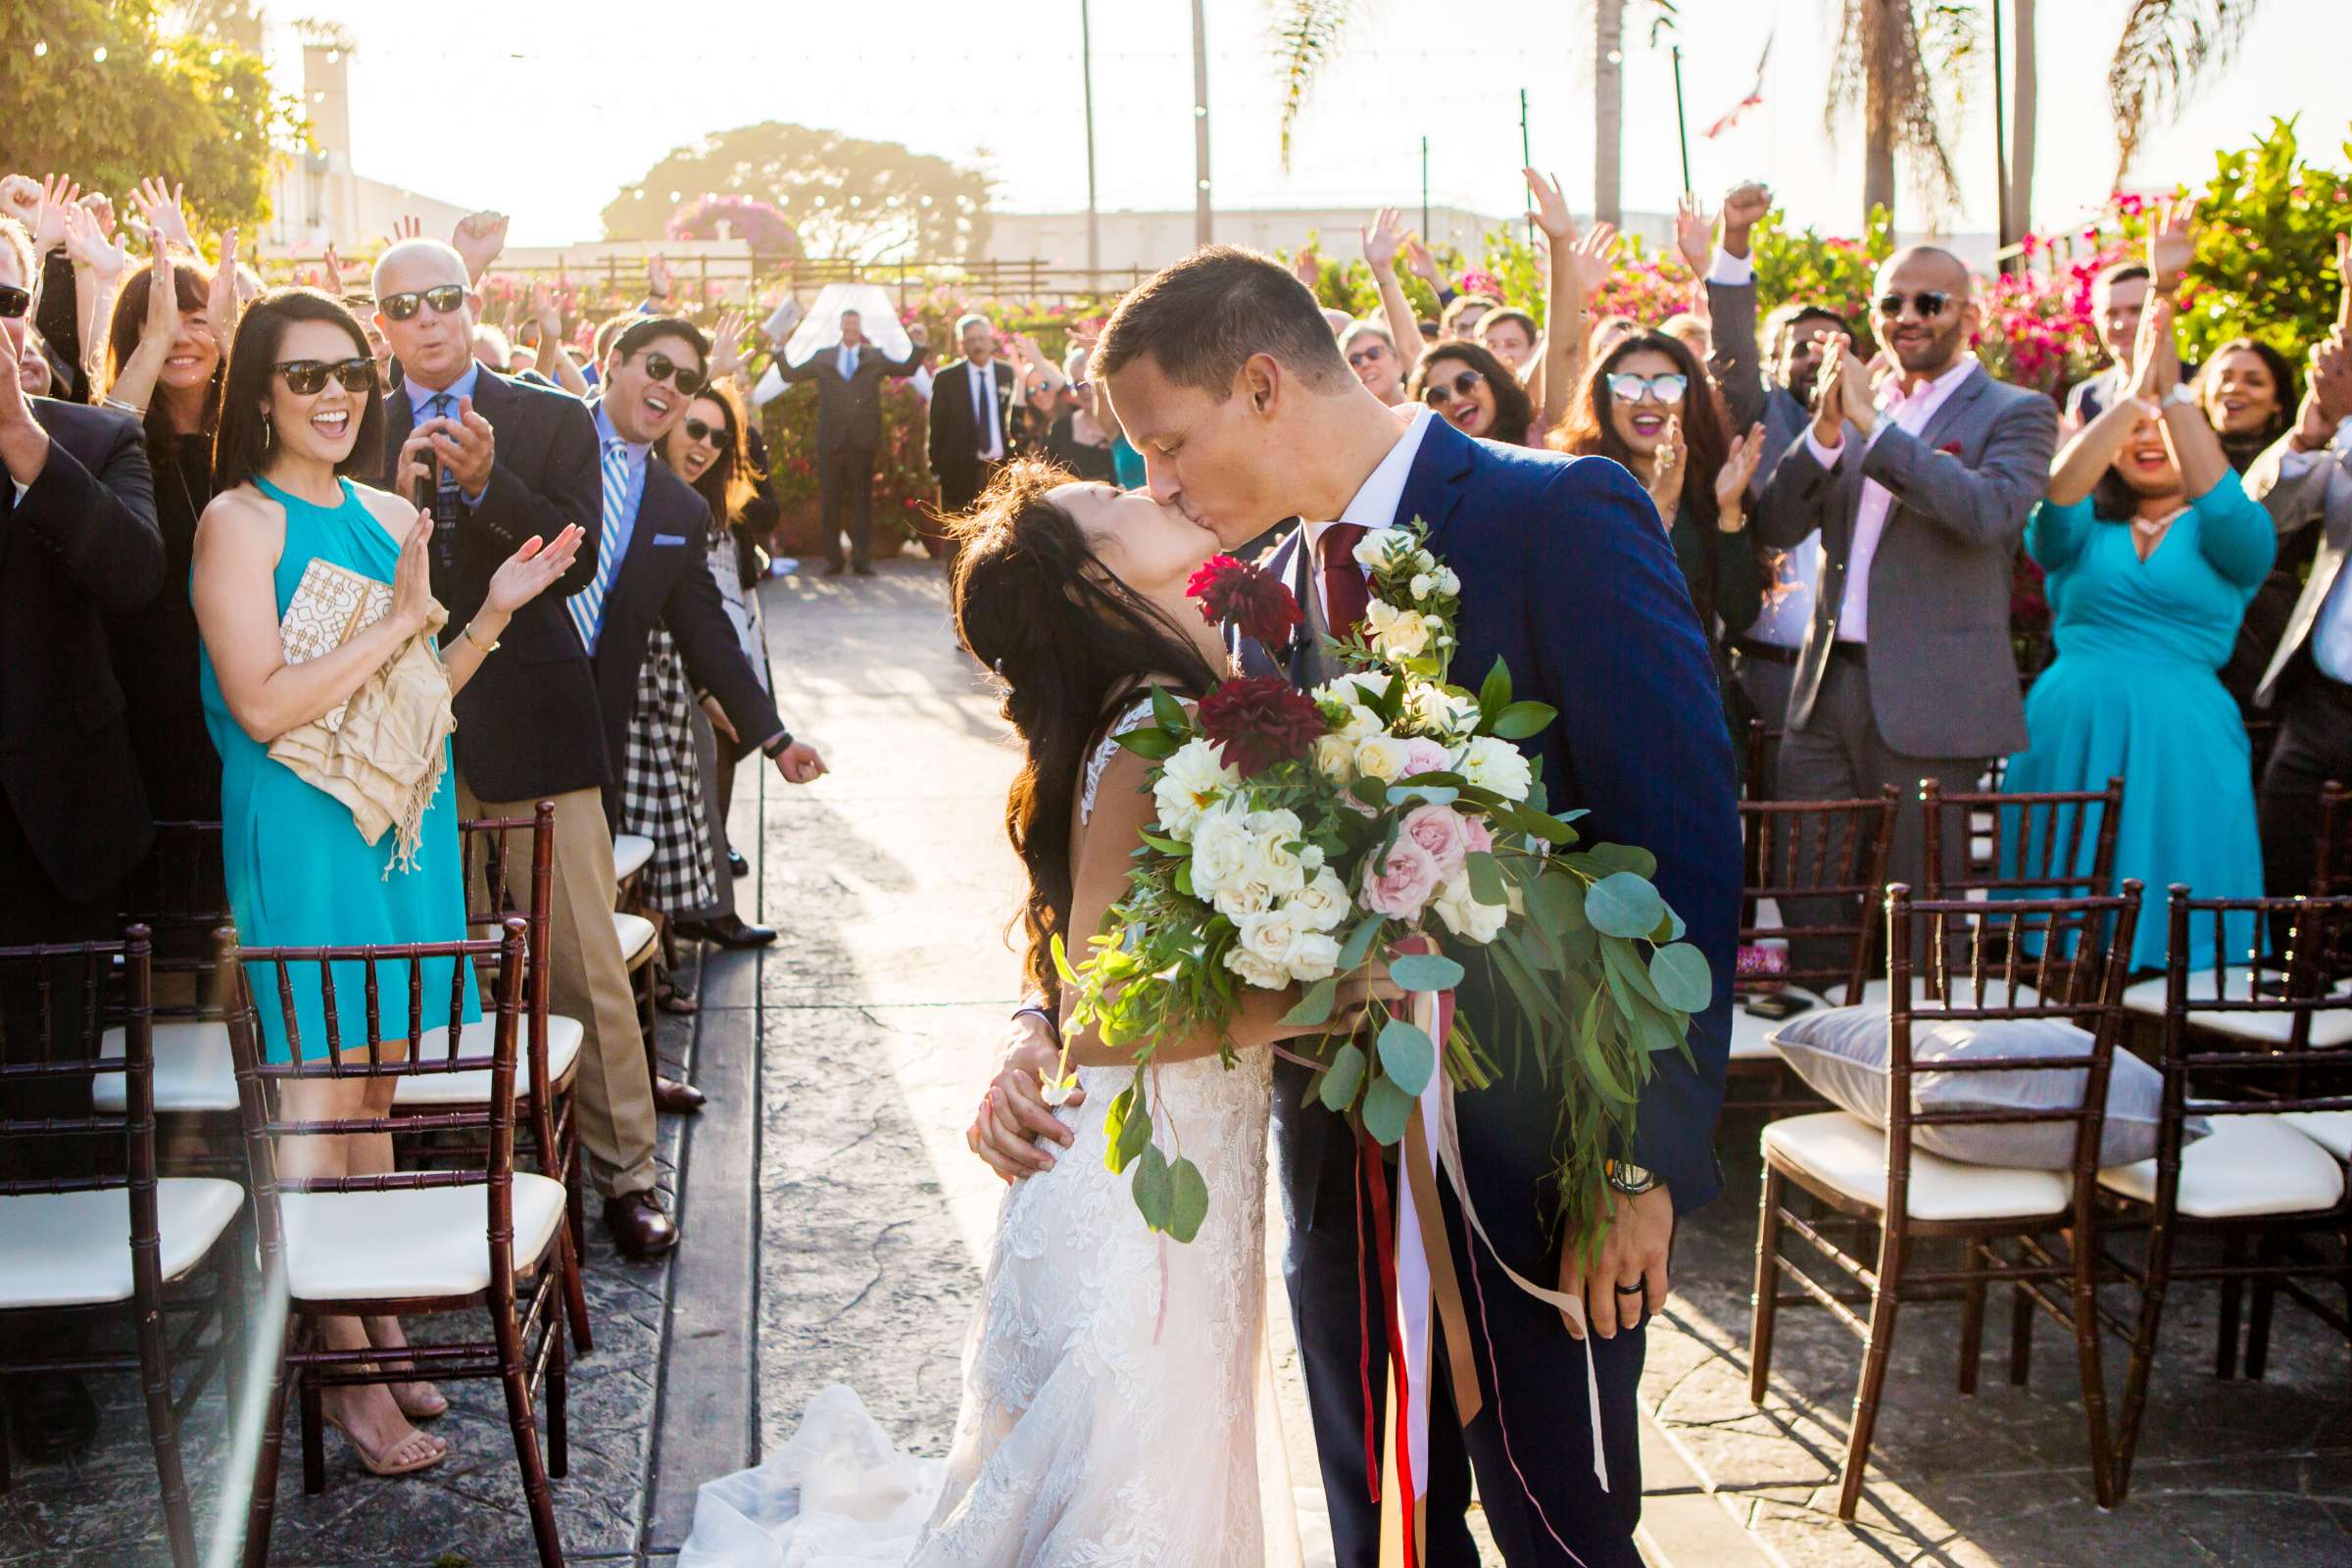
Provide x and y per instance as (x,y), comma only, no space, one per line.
(1228,382)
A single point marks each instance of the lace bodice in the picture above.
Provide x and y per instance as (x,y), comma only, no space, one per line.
(1133,718)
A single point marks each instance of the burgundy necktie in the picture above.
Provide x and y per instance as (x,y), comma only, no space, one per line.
(1345,594)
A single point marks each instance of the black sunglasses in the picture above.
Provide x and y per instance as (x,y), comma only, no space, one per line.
(697,430)
(306,377)
(443,299)
(1436,393)
(1929,302)
(14,301)
(661,367)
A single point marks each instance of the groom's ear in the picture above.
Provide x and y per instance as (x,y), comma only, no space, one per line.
(1261,382)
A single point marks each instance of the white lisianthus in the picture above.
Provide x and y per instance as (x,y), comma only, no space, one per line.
(1422,584)
(1396,633)
(1353,687)
(1381,756)
(1258,971)
(1448,583)
(1335,758)
(1191,781)
(1495,764)
(1322,903)
(1222,850)
(1314,956)
(1424,562)
(1372,550)
(1447,712)
(1361,721)
(1464,915)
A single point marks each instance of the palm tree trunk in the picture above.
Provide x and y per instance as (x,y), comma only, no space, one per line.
(2024,90)
(1879,110)
(1608,109)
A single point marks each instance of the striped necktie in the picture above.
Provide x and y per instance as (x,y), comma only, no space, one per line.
(588,605)
(445,493)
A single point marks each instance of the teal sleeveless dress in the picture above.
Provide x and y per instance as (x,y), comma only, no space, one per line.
(299,874)
(2135,692)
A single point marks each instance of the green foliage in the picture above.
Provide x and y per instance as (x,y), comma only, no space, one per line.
(188,109)
(845,196)
(2266,254)
(1821,270)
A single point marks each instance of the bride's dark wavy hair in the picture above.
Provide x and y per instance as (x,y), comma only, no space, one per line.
(1069,645)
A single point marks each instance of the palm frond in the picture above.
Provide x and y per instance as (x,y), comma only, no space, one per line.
(1848,70)
(2160,60)
(1882,43)
(1307,34)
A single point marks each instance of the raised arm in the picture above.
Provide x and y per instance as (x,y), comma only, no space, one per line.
(1730,288)
(918,336)
(100,525)
(1562,364)
(1382,237)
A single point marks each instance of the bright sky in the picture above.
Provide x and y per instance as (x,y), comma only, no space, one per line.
(493,114)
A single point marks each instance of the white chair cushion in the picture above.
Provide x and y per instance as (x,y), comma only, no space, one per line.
(636,934)
(2329,1026)
(1848,1155)
(1751,1036)
(2247,1165)
(631,852)
(193,1070)
(348,1247)
(1997,992)
(74,1249)
(476,1040)
(2332,1130)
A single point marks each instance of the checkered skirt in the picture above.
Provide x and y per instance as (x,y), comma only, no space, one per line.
(662,784)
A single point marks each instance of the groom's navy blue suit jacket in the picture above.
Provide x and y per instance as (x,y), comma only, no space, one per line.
(1568,578)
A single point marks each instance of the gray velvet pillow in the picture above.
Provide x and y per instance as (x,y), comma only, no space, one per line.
(1841,1055)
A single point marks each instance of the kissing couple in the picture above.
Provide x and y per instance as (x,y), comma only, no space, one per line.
(1117,1408)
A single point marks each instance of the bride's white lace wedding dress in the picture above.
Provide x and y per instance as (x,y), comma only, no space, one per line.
(1116,1409)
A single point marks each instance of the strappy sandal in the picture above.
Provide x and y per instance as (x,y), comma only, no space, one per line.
(435,1451)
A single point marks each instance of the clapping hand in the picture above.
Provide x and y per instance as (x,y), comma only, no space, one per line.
(160,207)
(2343,282)
(2331,383)
(1731,479)
(1693,234)
(1667,466)
(162,324)
(1828,388)
(530,571)
(2173,242)
(221,304)
(1382,237)
(466,444)
(2155,355)
(479,237)
(413,579)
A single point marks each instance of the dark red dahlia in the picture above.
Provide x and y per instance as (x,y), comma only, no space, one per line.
(1260,722)
(1239,594)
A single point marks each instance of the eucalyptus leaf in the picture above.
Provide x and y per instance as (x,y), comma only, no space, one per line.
(1623,962)
(1557,901)
(1135,1134)
(1151,1187)
(1425,971)
(1342,1078)
(1187,1200)
(1114,1127)
(1358,944)
(1385,1107)
(1654,1031)
(1408,1055)
(1551,829)
(1155,745)
(1167,845)
(1625,858)
(1062,962)
(1680,972)
(1371,792)
(1486,879)
(1427,793)
(1670,929)
(1316,1007)
(1522,719)
(1622,904)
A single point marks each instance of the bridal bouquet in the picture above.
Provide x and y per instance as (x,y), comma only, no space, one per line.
(1297,835)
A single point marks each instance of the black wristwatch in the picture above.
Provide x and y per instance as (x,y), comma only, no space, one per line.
(1629,1178)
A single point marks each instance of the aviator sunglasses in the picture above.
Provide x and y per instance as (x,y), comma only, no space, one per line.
(1928,302)
(661,367)
(305,377)
(14,301)
(1436,392)
(444,299)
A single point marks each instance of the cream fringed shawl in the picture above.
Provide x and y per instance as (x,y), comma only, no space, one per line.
(382,750)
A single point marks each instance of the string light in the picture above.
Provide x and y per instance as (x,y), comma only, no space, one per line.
(99,54)
(40,49)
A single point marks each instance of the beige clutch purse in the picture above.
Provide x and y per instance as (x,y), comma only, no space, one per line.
(332,604)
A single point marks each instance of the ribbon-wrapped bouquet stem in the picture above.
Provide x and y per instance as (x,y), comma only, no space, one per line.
(1299,836)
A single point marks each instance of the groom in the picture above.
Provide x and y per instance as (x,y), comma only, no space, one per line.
(1227,380)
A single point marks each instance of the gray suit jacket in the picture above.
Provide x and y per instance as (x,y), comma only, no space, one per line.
(1942,677)
(2321,494)
(1747,392)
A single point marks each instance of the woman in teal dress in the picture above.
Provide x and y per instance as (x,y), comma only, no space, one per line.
(2152,552)
(299,408)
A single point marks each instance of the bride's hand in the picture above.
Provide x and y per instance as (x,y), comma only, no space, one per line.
(1013,1114)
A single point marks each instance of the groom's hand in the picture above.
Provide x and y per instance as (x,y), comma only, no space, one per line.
(1013,1114)
(1633,1254)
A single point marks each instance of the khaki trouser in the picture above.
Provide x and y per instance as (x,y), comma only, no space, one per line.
(587,981)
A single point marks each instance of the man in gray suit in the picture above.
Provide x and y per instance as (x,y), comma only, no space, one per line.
(2306,478)
(1919,495)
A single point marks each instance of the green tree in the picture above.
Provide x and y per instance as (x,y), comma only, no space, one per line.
(97,89)
(2266,247)
(847,198)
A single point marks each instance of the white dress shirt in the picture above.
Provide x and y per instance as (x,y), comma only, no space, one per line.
(2331,632)
(983,391)
(1911,413)
(1375,503)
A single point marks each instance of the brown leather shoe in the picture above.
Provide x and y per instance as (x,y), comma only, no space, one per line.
(674,1098)
(639,1227)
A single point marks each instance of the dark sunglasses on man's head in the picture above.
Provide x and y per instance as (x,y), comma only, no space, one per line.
(1667,387)
(1928,302)
(14,301)
(697,430)
(444,299)
(307,376)
(661,367)
(1436,392)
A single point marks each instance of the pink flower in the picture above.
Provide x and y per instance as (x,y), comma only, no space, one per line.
(1444,832)
(1477,839)
(1402,884)
(1425,755)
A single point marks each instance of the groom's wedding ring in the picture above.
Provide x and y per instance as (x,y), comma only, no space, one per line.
(1635,1288)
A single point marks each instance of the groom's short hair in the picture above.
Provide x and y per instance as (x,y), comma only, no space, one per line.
(1203,318)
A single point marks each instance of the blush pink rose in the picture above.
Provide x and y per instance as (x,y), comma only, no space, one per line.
(1425,755)
(1476,838)
(1402,884)
(1444,832)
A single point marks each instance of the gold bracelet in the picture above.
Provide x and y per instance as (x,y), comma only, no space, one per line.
(466,632)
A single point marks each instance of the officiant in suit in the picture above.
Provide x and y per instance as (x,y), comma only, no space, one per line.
(849,429)
(970,400)
(1919,495)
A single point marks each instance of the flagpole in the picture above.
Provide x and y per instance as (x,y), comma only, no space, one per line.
(1682,124)
(1425,191)
(1527,160)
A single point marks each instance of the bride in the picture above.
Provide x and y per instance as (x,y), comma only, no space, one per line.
(1112,1398)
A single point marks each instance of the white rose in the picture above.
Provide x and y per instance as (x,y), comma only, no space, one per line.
(1242,899)
(1396,633)
(1189,782)
(1221,852)
(1278,865)
(1353,687)
(1446,713)
(1268,935)
(1382,756)
(1464,915)
(1322,903)
(1361,721)
(1372,550)
(1335,758)
(1422,583)
(1314,956)
(1255,970)
(1495,764)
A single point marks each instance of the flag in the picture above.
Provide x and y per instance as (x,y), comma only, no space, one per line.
(1755,96)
